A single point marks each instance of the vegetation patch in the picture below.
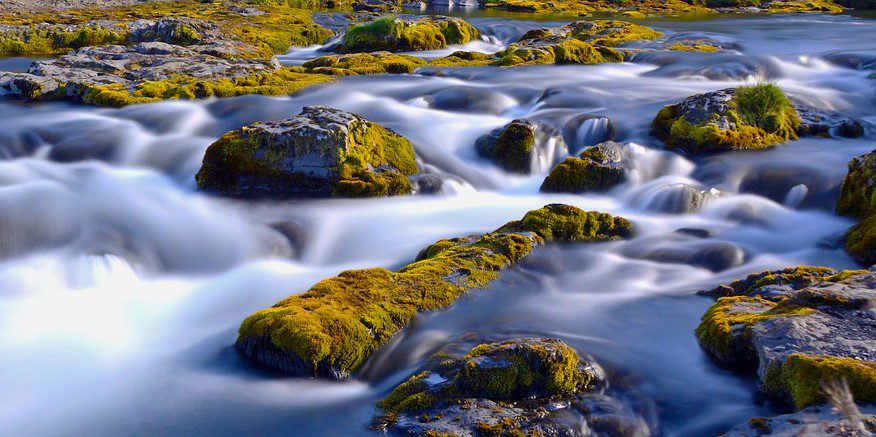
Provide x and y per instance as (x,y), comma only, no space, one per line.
(802,376)
(693,46)
(858,200)
(587,7)
(364,63)
(396,35)
(792,6)
(36,41)
(591,171)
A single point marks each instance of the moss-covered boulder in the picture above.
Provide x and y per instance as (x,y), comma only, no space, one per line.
(331,329)
(748,117)
(578,8)
(595,169)
(320,152)
(858,200)
(403,35)
(800,328)
(504,388)
(522,146)
(803,6)
(363,63)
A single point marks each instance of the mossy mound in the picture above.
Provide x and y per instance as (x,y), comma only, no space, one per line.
(794,277)
(693,46)
(587,7)
(331,329)
(503,371)
(801,376)
(797,6)
(749,117)
(397,35)
(512,147)
(320,152)
(858,200)
(861,241)
(364,63)
(36,40)
(595,169)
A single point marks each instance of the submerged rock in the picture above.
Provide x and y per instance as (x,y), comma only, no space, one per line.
(408,34)
(522,146)
(330,330)
(750,117)
(318,153)
(797,332)
(598,168)
(821,420)
(527,386)
(822,122)
(858,200)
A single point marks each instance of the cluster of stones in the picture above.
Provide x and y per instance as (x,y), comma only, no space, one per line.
(523,386)
(801,328)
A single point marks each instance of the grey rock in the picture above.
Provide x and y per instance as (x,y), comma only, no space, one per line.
(29,86)
(823,122)
(819,420)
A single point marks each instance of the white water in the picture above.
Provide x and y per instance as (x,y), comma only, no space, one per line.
(121,287)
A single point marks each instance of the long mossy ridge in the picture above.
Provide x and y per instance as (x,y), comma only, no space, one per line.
(402,35)
(596,169)
(858,200)
(586,7)
(800,327)
(581,42)
(801,6)
(364,63)
(320,152)
(331,329)
(748,117)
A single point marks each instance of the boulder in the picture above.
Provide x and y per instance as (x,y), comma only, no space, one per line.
(408,34)
(598,169)
(26,86)
(525,386)
(318,153)
(522,146)
(824,123)
(858,200)
(821,420)
(749,117)
(330,330)
(800,329)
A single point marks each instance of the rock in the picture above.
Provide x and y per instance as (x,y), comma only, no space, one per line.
(374,5)
(751,117)
(177,31)
(797,332)
(821,122)
(363,63)
(527,386)
(470,99)
(408,34)
(26,86)
(676,198)
(858,200)
(522,146)
(320,152)
(598,168)
(821,420)
(330,330)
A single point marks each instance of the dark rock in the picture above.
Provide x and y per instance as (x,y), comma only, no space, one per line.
(822,122)
(522,146)
(598,168)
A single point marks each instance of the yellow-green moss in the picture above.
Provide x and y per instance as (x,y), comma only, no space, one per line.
(463,59)
(34,41)
(762,114)
(716,331)
(364,63)
(584,173)
(393,35)
(411,395)
(277,82)
(796,277)
(861,241)
(587,7)
(693,46)
(800,378)
(568,223)
(342,320)
(610,33)
(795,6)
(858,193)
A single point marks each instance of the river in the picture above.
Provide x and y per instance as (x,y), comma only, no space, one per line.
(122,287)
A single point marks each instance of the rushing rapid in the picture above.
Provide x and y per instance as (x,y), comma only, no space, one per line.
(122,287)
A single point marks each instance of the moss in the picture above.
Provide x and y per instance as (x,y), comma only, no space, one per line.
(693,46)
(277,82)
(800,378)
(342,320)
(463,59)
(858,193)
(364,63)
(795,6)
(566,52)
(861,241)
(760,424)
(515,147)
(587,7)
(34,41)
(724,330)
(504,427)
(797,277)
(581,174)
(393,35)
(762,115)
(411,395)
(568,223)
(610,33)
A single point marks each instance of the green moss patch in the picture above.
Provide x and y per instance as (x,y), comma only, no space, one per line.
(801,377)
(395,35)
(587,172)
(364,63)
(792,6)
(796,277)
(587,7)
(35,41)
(341,321)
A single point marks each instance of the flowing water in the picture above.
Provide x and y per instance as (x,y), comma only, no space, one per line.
(121,286)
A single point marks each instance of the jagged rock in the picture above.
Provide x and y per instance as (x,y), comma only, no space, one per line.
(522,146)
(26,86)
(320,152)
(820,420)
(858,200)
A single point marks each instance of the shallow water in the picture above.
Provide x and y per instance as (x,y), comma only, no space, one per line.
(121,287)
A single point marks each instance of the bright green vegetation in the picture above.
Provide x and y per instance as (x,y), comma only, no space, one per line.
(797,6)
(861,240)
(394,35)
(35,41)
(858,200)
(342,320)
(271,33)
(278,82)
(504,371)
(586,172)
(719,331)
(761,115)
(252,153)
(587,7)
(801,377)
(693,46)
(364,63)
(796,277)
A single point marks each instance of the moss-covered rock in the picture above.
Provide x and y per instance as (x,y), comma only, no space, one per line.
(635,9)
(749,117)
(595,169)
(801,377)
(331,329)
(858,200)
(794,278)
(364,63)
(320,152)
(512,147)
(402,35)
(803,6)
